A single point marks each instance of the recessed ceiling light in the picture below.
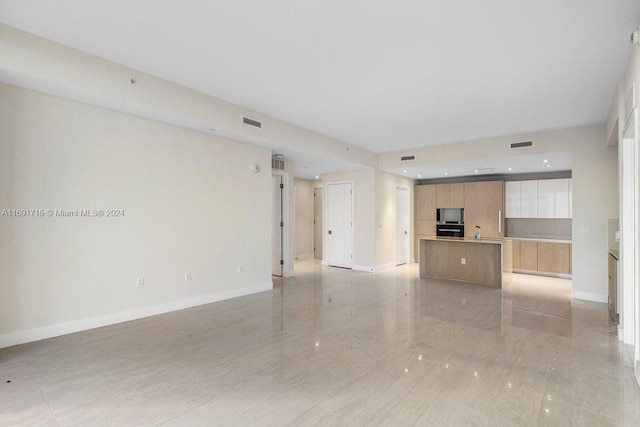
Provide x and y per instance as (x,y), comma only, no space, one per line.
(446,173)
(510,168)
(317,177)
(419,176)
(545,161)
(475,171)
(405,171)
(548,165)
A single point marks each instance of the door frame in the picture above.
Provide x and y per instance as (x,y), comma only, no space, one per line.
(287,249)
(325,206)
(409,230)
(320,190)
(630,265)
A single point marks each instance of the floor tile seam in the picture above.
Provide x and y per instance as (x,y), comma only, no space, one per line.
(55,416)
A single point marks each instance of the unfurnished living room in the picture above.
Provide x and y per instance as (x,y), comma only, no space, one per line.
(319,213)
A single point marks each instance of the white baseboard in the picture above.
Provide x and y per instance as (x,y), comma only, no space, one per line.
(385,266)
(44,332)
(304,256)
(371,269)
(367,268)
(589,297)
(636,371)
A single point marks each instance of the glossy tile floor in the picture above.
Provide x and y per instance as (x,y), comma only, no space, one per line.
(338,348)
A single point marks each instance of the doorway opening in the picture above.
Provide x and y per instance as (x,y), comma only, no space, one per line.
(403,220)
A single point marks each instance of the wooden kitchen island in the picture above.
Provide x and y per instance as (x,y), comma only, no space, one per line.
(485,262)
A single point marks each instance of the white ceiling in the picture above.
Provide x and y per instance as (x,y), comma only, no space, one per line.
(533,163)
(382,75)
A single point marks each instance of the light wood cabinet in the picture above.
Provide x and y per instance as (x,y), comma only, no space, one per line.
(456,195)
(442,196)
(484,206)
(515,250)
(554,257)
(613,288)
(425,203)
(450,195)
(543,257)
(528,255)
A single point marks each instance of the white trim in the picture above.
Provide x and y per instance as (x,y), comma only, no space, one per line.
(304,256)
(324,262)
(395,224)
(287,218)
(44,332)
(586,296)
(370,269)
(387,266)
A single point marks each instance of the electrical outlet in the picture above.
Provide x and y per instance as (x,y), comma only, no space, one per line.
(187,276)
(463,261)
(140,282)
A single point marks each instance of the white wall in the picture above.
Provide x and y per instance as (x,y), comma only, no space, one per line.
(595,187)
(304,218)
(385,191)
(36,63)
(191,204)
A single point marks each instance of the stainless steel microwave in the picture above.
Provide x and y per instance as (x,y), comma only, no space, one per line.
(450,216)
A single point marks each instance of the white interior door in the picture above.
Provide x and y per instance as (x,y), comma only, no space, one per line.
(402,225)
(276,229)
(339,225)
(317,223)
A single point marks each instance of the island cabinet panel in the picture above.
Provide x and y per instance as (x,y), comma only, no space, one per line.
(554,257)
(425,203)
(456,195)
(444,259)
(484,206)
(529,256)
(442,196)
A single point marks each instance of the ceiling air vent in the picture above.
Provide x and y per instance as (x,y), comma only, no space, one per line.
(251,122)
(277,164)
(522,144)
(405,158)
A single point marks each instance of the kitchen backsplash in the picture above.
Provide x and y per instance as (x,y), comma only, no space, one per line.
(539,228)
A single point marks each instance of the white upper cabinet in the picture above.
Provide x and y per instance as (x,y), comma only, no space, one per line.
(512,199)
(545,198)
(529,199)
(554,198)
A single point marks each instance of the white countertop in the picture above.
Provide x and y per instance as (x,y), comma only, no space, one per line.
(531,239)
(463,240)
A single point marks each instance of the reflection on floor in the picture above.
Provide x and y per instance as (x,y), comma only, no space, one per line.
(335,347)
